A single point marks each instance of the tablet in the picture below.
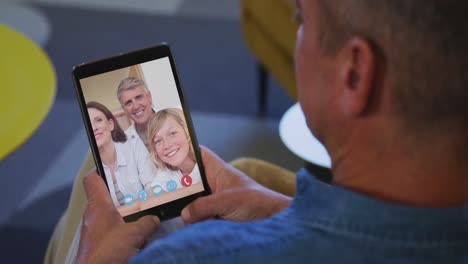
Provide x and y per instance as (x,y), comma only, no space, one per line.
(140,132)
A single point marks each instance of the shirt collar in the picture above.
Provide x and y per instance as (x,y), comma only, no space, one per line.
(131,131)
(121,161)
(343,208)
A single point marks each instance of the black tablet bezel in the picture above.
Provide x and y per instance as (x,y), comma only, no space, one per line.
(164,211)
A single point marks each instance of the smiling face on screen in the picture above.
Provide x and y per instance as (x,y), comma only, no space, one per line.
(102,127)
(137,103)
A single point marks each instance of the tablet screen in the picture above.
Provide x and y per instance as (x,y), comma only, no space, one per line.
(142,135)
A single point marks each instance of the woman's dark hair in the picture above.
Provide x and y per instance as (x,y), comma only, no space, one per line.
(118,135)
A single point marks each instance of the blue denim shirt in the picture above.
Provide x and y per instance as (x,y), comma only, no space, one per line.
(324,224)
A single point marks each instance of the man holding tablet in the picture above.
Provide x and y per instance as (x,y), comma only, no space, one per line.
(383,87)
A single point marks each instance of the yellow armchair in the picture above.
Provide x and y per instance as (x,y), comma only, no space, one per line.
(270,33)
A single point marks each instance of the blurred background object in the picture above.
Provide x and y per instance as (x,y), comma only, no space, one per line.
(28,88)
(269,31)
(27,20)
(296,135)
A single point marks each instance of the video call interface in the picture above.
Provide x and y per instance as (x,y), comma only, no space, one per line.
(142,136)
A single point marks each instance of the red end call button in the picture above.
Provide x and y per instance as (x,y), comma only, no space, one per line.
(186,181)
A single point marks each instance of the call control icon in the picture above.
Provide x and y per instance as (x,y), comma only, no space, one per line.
(143,195)
(157,190)
(128,199)
(186,181)
(171,185)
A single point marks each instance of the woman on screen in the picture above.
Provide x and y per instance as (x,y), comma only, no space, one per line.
(171,149)
(126,175)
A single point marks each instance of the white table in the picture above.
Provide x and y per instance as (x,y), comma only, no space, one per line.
(297,137)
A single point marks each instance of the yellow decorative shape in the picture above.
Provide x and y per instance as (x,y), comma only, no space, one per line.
(27,88)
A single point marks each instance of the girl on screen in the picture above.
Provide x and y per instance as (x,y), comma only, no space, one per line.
(171,149)
(126,176)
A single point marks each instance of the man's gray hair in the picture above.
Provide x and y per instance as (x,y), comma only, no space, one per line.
(130,83)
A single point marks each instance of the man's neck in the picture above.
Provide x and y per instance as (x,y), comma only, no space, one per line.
(434,177)
(142,133)
(141,128)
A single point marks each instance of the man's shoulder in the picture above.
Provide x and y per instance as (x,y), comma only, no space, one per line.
(131,131)
(134,138)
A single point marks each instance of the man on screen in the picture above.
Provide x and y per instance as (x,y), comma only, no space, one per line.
(136,101)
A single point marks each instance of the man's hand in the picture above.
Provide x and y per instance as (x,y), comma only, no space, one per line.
(105,237)
(235,196)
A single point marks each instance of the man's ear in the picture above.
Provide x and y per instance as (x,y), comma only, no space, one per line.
(358,74)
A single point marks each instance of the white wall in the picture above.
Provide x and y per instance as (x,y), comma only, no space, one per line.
(160,81)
